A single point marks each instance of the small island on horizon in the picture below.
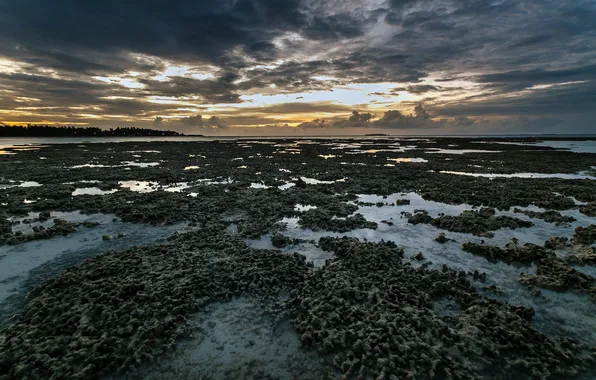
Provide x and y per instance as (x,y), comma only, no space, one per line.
(71,131)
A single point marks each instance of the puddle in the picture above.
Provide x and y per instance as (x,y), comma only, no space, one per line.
(259,186)
(140,164)
(124,164)
(286,186)
(22,184)
(194,167)
(313,181)
(400,149)
(460,151)
(302,208)
(92,191)
(408,160)
(239,339)
(139,186)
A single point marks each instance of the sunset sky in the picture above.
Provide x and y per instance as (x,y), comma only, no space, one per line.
(301,66)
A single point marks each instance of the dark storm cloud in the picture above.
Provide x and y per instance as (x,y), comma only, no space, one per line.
(181,30)
(220,90)
(206,29)
(574,98)
(540,76)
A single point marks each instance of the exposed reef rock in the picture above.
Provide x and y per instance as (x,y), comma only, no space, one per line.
(322,220)
(556,274)
(588,209)
(513,252)
(479,223)
(585,236)
(280,241)
(381,318)
(557,242)
(549,216)
(59,228)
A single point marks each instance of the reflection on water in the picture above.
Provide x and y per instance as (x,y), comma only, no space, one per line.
(522,175)
(124,164)
(407,160)
(92,191)
(313,181)
(302,208)
(22,184)
(588,146)
(460,151)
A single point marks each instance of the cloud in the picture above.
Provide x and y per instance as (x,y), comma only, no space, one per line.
(391,119)
(476,59)
(198,121)
(359,117)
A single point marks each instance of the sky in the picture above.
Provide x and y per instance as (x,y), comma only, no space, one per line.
(277,67)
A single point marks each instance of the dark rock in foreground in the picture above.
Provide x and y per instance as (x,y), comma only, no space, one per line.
(376,318)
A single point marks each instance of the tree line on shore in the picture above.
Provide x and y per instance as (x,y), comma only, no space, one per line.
(71,131)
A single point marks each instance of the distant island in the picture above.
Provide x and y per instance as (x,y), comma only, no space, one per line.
(58,131)
(376,134)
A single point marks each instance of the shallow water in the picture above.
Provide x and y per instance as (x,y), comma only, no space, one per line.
(239,339)
(314,181)
(573,146)
(92,191)
(522,175)
(24,266)
(407,160)
(552,315)
(461,151)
